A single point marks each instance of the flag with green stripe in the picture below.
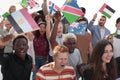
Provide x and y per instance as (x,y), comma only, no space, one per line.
(107,10)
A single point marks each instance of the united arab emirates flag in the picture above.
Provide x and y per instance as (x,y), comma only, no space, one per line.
(107,10)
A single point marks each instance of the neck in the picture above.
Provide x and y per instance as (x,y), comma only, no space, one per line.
(102,27)
(58,69)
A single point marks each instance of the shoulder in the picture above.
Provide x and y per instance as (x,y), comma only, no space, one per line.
(29,58)
(88,73)
(47,67)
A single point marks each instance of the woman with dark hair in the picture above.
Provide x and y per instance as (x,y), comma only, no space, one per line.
(41,47)
(102,65)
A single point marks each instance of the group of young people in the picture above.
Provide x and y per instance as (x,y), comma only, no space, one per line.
(56,54)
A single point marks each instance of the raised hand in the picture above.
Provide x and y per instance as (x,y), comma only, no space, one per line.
(6,40)
(57,16)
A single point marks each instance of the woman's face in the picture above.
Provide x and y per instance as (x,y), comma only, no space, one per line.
(42,29)
(108,54)
(60,29)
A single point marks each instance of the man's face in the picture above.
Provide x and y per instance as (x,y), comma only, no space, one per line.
(61,59)
(102,21)
(20,47)
(71,44)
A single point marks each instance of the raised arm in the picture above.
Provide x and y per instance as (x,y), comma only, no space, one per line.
(5,40)
(57,17)
(90,25)
(44,7)
(48,30)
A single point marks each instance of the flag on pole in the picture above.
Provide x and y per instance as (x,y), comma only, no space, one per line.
(107,10)
(24,3)
(5,14)
(77,28)
(53,8)
(71,10)
(22,21)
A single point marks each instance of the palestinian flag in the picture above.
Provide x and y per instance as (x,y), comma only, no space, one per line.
(107,10)
(71,11)
(22,21)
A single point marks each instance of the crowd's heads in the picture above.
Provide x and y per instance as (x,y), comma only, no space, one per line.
(70,41)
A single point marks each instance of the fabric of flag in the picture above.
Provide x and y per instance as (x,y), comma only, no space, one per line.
(5,14)
(71,10)
(107,10)
(77,28)
(53,8)
(22,21)
(24,3)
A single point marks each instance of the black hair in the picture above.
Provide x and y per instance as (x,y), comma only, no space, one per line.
(118,20)
(83,9)
(38,17)
(20,37)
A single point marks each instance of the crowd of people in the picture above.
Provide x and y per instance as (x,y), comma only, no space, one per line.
(52,53)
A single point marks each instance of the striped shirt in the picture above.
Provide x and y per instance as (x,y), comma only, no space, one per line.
(46,72)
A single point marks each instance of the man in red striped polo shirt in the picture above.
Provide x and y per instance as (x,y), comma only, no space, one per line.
(59,69)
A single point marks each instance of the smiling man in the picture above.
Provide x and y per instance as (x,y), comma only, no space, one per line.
(17,65)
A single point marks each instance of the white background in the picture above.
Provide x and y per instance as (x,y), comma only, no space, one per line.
(92,6)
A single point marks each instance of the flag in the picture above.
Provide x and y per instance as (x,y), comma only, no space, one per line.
(22,21)
(77,28)
(53,8)
(107,10)
(71,10)
(24,3)
(5,14)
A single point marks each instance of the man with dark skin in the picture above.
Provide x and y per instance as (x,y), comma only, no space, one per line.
(17,65)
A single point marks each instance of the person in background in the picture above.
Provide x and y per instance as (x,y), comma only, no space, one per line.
(31,51)
(12,9)
(18,64)
(41,47)
(84,42)
(99,31)
(59,69)
(115,40)
(102,64)
(74,57)
(5,31)
(83,16)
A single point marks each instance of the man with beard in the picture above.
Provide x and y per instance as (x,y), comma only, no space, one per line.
(17,65)
(99,31)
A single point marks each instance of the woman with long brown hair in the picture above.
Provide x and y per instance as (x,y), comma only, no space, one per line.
(102,65)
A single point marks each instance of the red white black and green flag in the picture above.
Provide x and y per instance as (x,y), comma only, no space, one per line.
(107,10)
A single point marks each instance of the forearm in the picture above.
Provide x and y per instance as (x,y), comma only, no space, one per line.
(54,34)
